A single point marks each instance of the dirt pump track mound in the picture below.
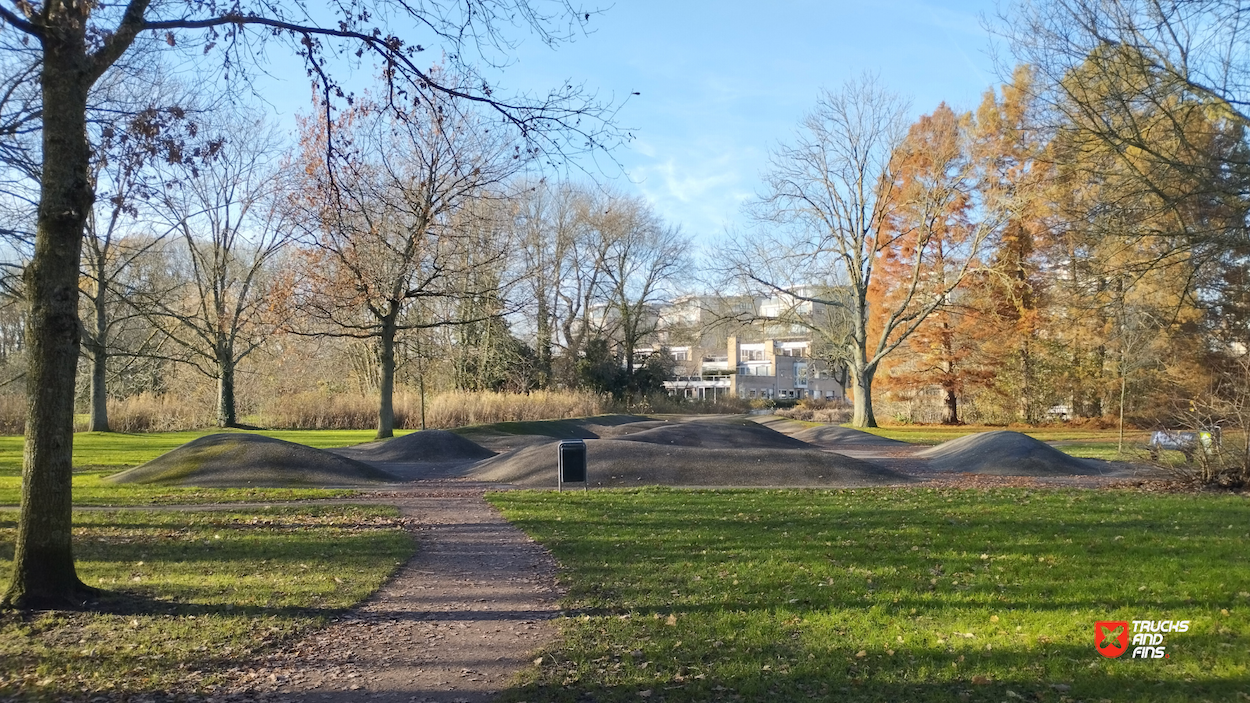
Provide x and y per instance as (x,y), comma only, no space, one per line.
(241,460)
(1004,453)
(833,437)
(423,446)
(717,435)
(622,463)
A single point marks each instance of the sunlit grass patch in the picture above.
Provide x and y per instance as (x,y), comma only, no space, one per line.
(889,594)
(193,593)
(103,451)
(99,454)
(91,490)
(936,434)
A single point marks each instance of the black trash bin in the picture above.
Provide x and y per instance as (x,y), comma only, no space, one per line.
(571,465)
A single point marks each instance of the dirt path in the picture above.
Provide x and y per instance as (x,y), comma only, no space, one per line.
(455,624)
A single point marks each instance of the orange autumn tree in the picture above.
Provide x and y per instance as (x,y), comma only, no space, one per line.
(843,209)
(1010,295)
(931,239)
(1147,213)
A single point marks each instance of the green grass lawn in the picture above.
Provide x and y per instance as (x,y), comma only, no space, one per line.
(936,434)
(1078,442)
(888,594)
(119,450)
(98,454)
(91,490)
(200,592)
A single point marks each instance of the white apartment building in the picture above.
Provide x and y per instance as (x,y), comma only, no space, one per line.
(712,365)
(774,368)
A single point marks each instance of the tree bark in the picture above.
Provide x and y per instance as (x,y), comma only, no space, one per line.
(386,385)
(863,415)
(950,409)
(226,413)
(43,561)
(98,350)
(542,346)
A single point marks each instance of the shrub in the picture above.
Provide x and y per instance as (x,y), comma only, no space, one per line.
(834,412)
(667,404)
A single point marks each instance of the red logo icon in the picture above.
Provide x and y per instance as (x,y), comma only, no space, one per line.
(1111,637)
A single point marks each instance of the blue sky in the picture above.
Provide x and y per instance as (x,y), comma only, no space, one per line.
(721,83)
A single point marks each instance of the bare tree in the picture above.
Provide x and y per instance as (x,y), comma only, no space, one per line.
(643,265)
(835,206)
(547,225)
(120,229)
(231,222)
(77,43)
(383,222)
(1146,50)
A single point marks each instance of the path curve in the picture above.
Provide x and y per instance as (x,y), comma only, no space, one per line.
(455,624)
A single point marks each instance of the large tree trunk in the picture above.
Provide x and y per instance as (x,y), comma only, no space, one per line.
(386,386)
(98,350)
(226,413)
(950,408)
(542,346)
(43,560)
(863,415)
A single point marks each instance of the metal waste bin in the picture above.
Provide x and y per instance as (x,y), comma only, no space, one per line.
(571,464)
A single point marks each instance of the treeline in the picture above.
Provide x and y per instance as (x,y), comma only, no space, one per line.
(417,256)
(1075,247)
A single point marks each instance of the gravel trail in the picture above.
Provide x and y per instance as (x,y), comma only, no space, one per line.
(455,624)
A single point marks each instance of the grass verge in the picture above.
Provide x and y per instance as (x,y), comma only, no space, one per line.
(90,490)
(99,454)
(96,451)
(1077,442)
(192,594)
(888,594)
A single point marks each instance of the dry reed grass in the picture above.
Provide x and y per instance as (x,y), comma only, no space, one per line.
(319,411)
(458,409)
(345,411)
(314,411)
(155,413)
(140,413)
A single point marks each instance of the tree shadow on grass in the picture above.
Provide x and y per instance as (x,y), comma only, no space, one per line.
(1060,673)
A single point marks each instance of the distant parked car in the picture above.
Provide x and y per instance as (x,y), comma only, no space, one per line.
(1184,441)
